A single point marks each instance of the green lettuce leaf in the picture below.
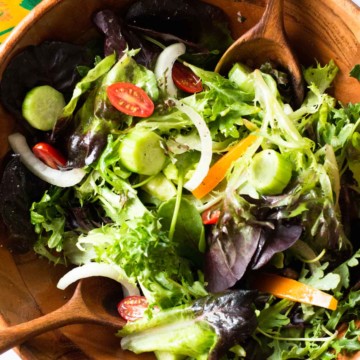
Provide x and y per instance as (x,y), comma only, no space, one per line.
(355,72)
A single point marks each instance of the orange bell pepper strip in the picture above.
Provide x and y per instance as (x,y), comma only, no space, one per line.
(285,288)
(217,172)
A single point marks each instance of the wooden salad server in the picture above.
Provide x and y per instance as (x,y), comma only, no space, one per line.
(90,303)
(266,42)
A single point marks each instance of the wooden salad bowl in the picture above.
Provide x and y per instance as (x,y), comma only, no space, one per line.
(317,30)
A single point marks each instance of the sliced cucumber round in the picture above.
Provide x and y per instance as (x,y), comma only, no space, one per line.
(141,152)
(270,172)
(160,187)
(42,106)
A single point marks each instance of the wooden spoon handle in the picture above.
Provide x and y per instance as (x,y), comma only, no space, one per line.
(272,22)
(15,335)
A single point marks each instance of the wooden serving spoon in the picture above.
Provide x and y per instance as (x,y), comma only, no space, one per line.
(266,42)
(94,301)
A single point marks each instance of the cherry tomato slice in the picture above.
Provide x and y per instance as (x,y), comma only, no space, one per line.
(132,308)
(210,216)
(130,99)
(49,155)
(185,79)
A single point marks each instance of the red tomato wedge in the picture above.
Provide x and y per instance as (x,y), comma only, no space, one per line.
(185,79)
(210,216)
(49,155)
(132,308)
(130,99)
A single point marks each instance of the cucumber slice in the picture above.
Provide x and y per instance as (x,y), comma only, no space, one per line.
(270,172)
(240,75)
(160,187)
(141,152)
(42,106)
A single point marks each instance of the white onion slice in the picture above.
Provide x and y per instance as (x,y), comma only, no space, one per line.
(37,167)
(98,269)
(164,65)
(206,146)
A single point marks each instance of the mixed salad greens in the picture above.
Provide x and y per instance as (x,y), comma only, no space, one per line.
(229,218)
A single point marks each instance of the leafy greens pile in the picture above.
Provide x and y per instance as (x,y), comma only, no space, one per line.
(200,280)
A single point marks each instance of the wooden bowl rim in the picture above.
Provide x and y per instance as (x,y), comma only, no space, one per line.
(9,47)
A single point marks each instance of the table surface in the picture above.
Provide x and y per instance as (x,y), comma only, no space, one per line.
(11,355)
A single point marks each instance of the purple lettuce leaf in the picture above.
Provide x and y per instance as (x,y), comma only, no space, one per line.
(274,241)
(19,188)
(119,37)
(231,315)
(229,255)
(51,63)
(203,27)
(247,235)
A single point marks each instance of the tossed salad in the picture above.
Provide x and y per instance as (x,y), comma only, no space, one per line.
(229,217)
